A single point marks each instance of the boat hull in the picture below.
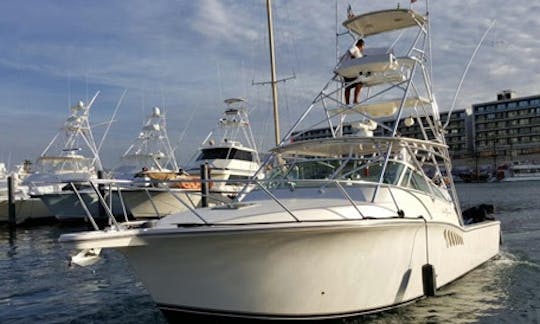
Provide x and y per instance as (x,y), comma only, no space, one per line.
(306,272)
(521,178)
(162,203)
(66,206)
(25,210)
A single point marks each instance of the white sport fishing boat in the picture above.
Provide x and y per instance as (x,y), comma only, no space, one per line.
(70,158)
(230,152)
(150,163)
(26,208)
(346,225)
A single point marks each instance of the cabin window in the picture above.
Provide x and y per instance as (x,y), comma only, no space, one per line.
(418,182)
(237,180)
(312,170)
(225,153)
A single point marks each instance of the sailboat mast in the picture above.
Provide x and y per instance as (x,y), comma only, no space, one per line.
(273,71)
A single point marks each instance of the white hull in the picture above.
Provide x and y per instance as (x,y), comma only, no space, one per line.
(303,271)
(25,209)
(525,178)
(258,262)
(161,203)
(67,206)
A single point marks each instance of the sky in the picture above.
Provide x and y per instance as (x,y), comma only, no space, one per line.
(188,56)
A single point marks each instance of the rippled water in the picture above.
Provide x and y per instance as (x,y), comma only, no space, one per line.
(38,286)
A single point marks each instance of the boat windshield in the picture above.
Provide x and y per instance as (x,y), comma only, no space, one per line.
(225,154)
(354,170)
(51,165)
(339,169)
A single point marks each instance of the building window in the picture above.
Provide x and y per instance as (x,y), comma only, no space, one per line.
(524,103)
(512,104)
(501,106)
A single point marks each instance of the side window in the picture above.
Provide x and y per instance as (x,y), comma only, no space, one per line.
(407,179)
(393,172)
(418,182)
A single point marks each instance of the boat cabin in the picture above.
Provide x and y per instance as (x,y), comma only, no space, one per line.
(70,163)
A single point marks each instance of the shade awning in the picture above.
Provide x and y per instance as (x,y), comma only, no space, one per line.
(377,22)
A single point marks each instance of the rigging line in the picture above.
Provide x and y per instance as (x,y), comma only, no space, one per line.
(292,42)
(112,119)
(266,124)
(336,29)
(162,92)
(183,133)
(69,90)
(465,73)
(168,143)
(218,68)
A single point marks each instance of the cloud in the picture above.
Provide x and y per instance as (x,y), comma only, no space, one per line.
(225,22)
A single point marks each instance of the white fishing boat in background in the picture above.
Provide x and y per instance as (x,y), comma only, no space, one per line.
(519,171)
(345,225)
(151,151)
(71,157)
(3,180)
(150,163)
(26,207)
(230,152)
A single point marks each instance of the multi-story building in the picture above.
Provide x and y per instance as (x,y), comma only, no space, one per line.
(457,132)
(494,132)
(507,129)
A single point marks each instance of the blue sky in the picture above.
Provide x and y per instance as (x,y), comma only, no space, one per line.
(188,56)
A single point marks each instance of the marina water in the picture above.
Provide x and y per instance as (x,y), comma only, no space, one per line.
(37,285)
